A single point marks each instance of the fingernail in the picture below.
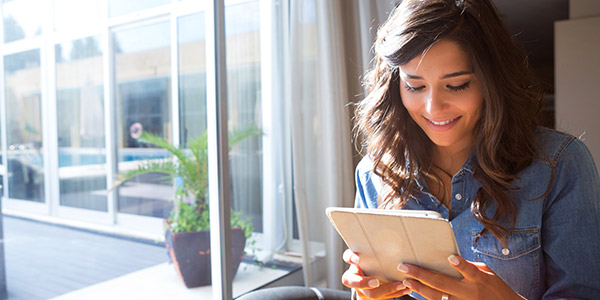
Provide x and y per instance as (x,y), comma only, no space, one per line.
(453,260)
(407,284)
(402,268)
(400,287)
(354,259)
(373,283)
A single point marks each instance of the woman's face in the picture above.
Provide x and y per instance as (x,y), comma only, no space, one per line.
(443,95)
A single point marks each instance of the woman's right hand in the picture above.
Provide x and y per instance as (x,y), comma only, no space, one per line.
(369,287)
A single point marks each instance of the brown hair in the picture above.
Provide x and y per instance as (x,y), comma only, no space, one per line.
(505,140)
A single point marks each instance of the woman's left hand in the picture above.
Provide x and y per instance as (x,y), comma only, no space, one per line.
(479,282)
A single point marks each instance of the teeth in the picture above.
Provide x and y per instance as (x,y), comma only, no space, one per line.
(442,123)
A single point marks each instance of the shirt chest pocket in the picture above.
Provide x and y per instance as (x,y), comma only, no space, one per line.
(517,263)
(521,242)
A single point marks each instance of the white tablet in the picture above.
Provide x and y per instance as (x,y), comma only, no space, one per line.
(385,238)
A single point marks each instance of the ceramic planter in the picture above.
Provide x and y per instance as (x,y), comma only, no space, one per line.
(190,252)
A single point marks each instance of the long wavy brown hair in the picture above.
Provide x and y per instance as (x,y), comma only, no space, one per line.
(504,138)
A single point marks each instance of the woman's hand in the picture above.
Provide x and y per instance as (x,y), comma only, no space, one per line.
(479,282)
(369,287)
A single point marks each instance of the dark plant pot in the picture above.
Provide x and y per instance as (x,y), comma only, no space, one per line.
(190,252)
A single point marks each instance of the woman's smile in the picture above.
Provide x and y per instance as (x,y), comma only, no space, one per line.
(442,125)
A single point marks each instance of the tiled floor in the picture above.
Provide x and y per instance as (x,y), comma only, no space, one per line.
(45,261)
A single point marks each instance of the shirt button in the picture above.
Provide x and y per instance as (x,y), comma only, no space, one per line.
(505,251)
(458,196)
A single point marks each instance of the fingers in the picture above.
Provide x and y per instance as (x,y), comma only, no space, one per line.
(429,278)
(350,257)
(469,270)
(482,267)
(384,291)
(425,291)
(370,287)
(354,278)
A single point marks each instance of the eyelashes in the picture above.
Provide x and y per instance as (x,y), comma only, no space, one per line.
(461,87)
(413,89)
(451,88)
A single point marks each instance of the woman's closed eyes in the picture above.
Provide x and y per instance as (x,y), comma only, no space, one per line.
(453,88)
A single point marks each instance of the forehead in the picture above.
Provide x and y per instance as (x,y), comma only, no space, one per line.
(444,57)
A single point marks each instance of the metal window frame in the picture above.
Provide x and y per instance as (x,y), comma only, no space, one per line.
(218,151)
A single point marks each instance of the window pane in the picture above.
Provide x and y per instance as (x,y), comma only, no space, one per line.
(122,7)
(80,109)
(192,77)
(77,14)
(20,21)
(242,24)
(24,126)
(142,71)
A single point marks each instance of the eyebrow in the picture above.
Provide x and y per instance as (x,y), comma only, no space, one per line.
(455,74)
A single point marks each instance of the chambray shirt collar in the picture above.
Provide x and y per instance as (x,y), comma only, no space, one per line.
(468,166)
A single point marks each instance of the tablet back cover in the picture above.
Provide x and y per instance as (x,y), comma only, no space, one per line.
(384,240)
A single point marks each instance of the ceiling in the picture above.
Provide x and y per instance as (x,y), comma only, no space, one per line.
(532,22)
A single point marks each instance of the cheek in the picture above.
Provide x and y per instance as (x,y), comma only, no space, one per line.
(410,103)
(476,107)
(476,103)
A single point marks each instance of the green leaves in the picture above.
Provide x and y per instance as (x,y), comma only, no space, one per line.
(189,218)
(190,166)
(193,217)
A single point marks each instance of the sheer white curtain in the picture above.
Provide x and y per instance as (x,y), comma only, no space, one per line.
(326,47)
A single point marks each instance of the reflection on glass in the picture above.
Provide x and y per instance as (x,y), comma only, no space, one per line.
(80,115)
(242,24)
(142,71)
(192,77)
(75,14)
(122,7)
(24,126)
(20,20)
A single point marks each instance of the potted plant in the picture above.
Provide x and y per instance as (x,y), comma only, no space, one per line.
(187,235)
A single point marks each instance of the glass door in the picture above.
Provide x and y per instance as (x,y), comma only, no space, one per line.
(142,64)
(25,165)
(82,167)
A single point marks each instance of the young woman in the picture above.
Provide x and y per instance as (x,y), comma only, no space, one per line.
(450,125)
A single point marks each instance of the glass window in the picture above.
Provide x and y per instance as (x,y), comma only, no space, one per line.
(77,14)
(122,7)
(192,77)
(80,109)
(20,20)
(242,30)
(143,101)
(24,126)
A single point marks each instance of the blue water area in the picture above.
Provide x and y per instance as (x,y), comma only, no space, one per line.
(75,158)
(68,158)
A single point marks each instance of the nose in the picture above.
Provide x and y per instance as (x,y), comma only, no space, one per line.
(435,103)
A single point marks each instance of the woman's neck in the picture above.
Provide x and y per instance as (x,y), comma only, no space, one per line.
(451,159)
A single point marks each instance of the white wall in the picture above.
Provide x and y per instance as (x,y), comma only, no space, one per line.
(584,8)
(577,69)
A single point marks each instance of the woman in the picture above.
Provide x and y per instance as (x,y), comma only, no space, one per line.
(450,125)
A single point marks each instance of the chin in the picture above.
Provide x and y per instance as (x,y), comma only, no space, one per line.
(441,142)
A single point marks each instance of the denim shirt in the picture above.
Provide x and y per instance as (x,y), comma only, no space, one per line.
(554,250)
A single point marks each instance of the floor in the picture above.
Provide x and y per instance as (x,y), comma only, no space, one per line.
(162,282)
(45,261)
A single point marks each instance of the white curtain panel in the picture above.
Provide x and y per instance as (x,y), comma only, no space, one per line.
(319,93)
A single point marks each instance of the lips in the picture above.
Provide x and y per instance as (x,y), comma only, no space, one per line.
(442,125)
